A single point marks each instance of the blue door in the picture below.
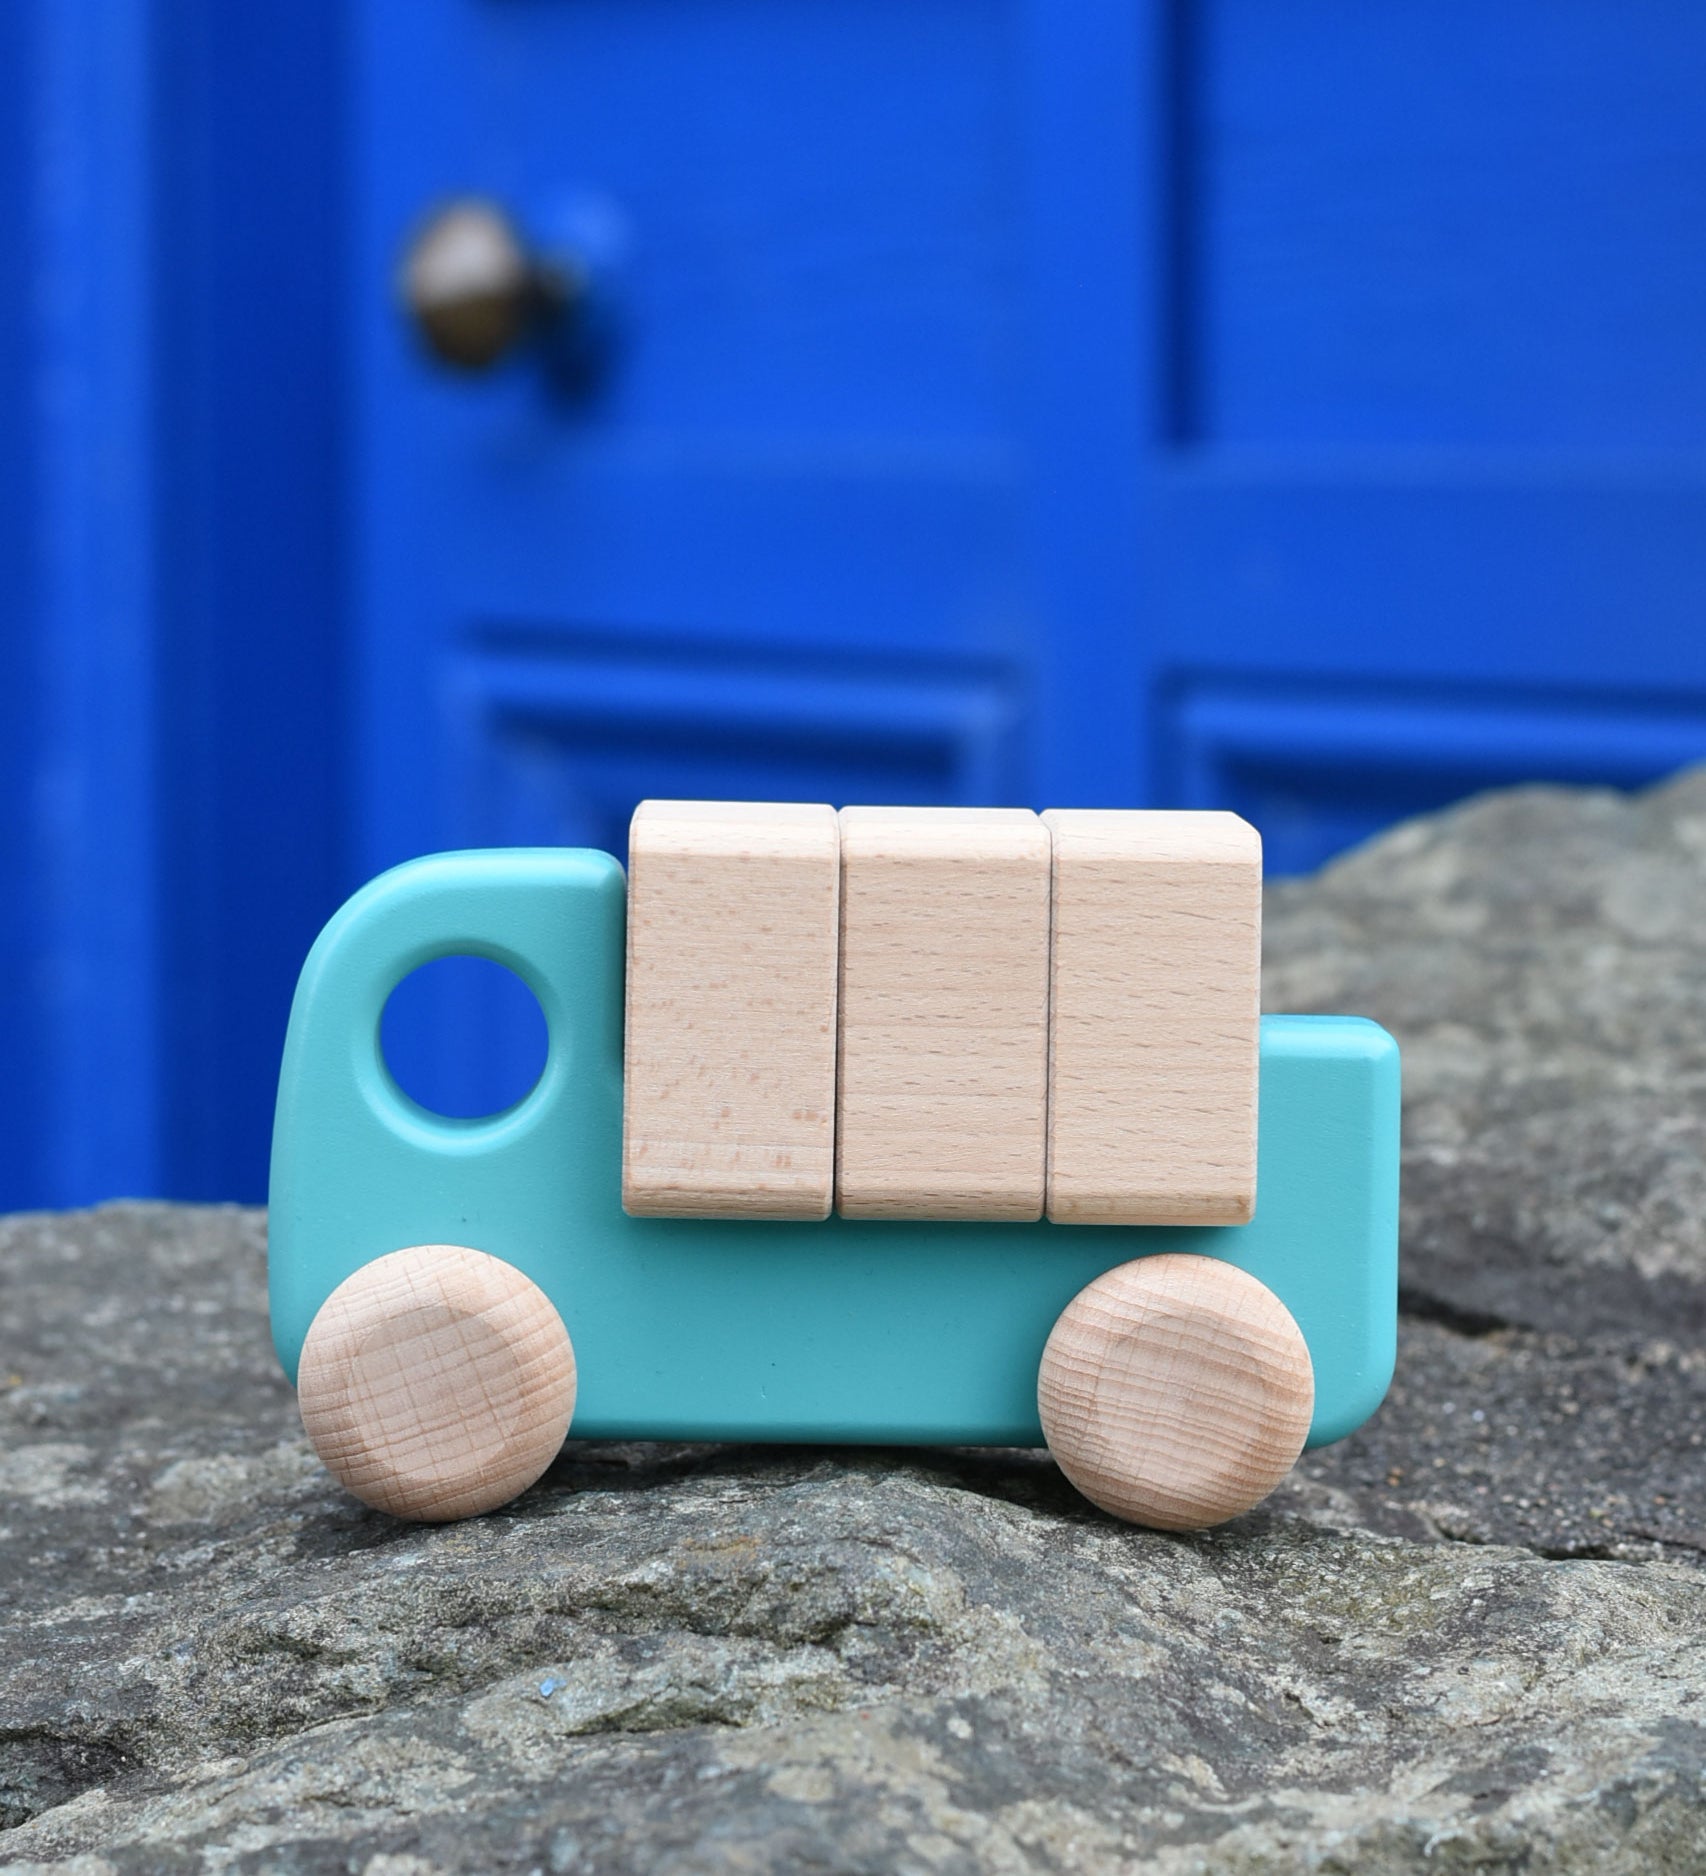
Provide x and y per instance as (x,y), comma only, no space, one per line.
(1297,409)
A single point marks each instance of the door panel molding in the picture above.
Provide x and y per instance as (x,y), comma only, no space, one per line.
(553,742)
(1320,766)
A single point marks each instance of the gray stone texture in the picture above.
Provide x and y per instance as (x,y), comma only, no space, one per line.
(1470,1638)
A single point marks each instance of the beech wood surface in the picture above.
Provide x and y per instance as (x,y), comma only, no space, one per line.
(943,1076)
(1155,988)
(729,1042)
(1176,1391)
(437,1382)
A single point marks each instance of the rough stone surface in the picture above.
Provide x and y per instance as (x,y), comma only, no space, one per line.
(1471,1638)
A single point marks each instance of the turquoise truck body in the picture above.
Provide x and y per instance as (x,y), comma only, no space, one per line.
(839,1331)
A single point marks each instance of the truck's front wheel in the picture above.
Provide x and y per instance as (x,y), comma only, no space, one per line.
(437,1382)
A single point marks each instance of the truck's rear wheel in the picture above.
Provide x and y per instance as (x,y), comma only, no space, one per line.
(1176,1391)
(437,1382)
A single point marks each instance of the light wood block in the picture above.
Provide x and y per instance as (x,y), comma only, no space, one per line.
(1155,985)
(729,1092)
(437,1382)
(1176,1391)
(943,1079)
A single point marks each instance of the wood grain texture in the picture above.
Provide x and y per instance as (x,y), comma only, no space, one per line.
(1155,986)
(1176,1391)
(437,1382)
(943,1076)
(729,1085)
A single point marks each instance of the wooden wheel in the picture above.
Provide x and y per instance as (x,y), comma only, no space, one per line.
(437,1382)
(1176,1391)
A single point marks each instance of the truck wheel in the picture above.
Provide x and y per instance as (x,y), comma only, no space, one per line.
(1175,1391)
(437,1382)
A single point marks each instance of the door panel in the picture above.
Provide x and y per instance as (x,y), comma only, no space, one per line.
(1448,227)
(816,199)
(1319,767)
(1421,506)
(564,741)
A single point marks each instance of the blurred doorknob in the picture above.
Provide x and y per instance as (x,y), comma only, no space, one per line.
(475,289)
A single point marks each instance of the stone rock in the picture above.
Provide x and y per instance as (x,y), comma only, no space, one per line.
(1541,956)
(1470,1638)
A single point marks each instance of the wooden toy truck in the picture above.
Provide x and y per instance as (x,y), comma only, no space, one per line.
(941,1127)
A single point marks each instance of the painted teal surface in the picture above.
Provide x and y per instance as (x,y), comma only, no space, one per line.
(845,1330)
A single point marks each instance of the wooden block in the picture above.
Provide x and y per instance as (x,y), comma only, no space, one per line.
(1155,986)
(1176,1391)
(437,1382)
(729,1091)
(943,1080)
